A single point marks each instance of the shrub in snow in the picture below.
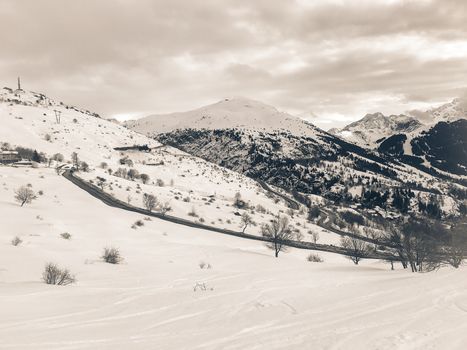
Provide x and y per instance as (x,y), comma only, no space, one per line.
(203,265)
(144,178)
(314,258)
(24,195)
(239,202)
(260,209)
(55,275)
(58,157)
(65,235)
(16,241)
(164,208)
(112,256)
(193,213)
(201,287)
(83,166)
(139,223)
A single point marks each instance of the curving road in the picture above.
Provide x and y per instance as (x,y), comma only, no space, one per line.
(116,203)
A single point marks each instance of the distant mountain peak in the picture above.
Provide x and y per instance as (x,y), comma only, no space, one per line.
(374,127)
(229,113)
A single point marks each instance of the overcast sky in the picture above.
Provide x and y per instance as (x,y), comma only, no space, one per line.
(332,61)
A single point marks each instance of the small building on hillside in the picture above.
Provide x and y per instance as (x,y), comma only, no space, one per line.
(7,157)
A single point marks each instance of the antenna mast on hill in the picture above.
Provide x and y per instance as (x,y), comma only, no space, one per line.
(19,83)
(58,115)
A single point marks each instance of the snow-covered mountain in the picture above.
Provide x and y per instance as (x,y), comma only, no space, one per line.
(373,128)
(449,112)
(256,140)
(237,112)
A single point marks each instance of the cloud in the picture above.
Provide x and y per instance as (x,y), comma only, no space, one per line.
(341,58)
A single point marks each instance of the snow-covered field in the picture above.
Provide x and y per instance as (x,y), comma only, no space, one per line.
(251,301)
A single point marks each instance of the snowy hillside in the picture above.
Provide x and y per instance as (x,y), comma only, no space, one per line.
(30,120)
(192,188)
(238,113)
(159,297)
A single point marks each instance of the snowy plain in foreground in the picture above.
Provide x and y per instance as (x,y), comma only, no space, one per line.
(252,300)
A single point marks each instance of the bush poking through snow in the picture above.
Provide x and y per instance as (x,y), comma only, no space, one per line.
(144,178)
(54,275)
(201,286)
(164,208)
(203,265)
(112,256)
(313,257)
(24,195)
(65,235)
(193,212)
(239,202)
(16,241)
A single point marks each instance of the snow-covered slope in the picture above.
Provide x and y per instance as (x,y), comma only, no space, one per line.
(150,301)
(194,189)
(28,119)
(238,113)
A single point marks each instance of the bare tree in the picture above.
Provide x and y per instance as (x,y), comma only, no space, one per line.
(456,250)
(149,201)
(24,195)
(419,243)
(315,236)
(101,182)
(246,220)
(278,232)
(356,248)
